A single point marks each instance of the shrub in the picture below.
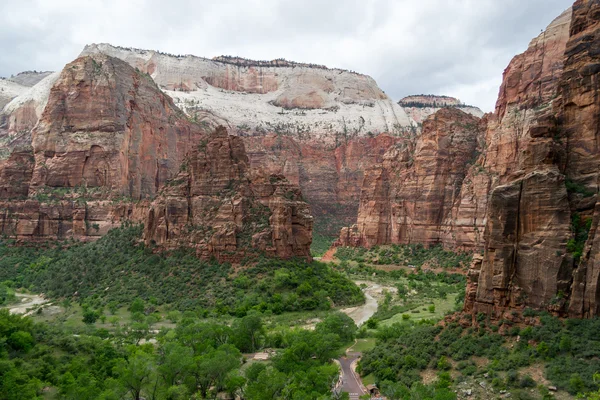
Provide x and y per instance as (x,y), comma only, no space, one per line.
(526,382)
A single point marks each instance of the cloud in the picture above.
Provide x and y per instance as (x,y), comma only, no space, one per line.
(454,47)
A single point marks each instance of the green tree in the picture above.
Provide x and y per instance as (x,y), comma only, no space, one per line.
(137,306)
(395,390)
(135,372)
(174,362)
(90,316)
(268,385)
(340,324)
(247,332)
(234,385)
(20,341)
(212,368)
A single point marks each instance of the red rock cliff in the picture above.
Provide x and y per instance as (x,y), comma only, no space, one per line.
(109,140)
(410,198)
(330,178)
(217,207)
(540,241)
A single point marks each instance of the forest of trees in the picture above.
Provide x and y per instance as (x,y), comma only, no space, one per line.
(197,359)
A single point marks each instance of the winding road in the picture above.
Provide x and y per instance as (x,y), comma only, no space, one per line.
(350,381)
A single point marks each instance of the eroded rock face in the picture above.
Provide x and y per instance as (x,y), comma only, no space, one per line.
(411,196)
(117,131)
(541,149)
(527,229)
(215,206)
(33,220)
(109,141)
(532,189)
(579,119)
(330,178)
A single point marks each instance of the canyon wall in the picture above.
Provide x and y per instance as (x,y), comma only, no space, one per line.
(521,185)
(107,145)
(216,206)
(330,178)
(317,126)
(540,240)
(410,197)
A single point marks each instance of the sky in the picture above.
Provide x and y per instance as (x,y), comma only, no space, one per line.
(452,47)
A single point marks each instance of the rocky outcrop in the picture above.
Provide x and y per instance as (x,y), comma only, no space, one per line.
(410,198)
(109,141)
(21,114)
(420,107)
(107,136)
(30,221)
(9,90)
(215,206)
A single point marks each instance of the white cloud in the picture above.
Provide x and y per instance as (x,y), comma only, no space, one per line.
(455,47)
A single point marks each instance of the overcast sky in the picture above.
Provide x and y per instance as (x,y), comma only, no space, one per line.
(453,47)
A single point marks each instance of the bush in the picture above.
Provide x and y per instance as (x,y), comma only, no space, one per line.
(90,316)
(21,341)
(372,323)
(526,382)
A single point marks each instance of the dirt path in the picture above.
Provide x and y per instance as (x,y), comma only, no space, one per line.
(373,293)
(26,301)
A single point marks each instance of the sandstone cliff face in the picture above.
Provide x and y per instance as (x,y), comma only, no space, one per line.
(330,178)
(107,136)
(579,121)
(526,205)
(116,131)
(540,240)
(109,141)
(217,207)
(410,198)
(21,114)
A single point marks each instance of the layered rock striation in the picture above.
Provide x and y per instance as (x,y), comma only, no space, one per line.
(107,143)
(540,238)
(304,101)
(330,178)
(410,198)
